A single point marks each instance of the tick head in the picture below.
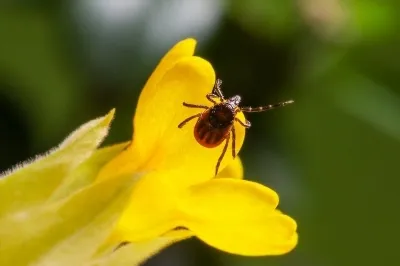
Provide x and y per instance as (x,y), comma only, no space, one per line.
(221,115)
(234,101)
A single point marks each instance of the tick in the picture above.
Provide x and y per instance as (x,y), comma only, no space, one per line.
(216,123)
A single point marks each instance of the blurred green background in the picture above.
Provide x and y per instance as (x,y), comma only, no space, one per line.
(333,156)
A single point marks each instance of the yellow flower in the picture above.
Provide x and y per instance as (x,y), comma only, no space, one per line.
(177,188)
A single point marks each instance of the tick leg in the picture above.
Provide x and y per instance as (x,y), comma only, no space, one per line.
(217,89)
(233,142)
(195,105)
(250,109)
(210,97)
(246,124)
(222,154)
(188,119)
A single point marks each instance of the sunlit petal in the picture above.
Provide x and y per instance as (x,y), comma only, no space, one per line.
(128,161)
(150,212)
(182,49)
(239,217)
(233,170)
(138,252)
(177,188)
(173,148)
(158,143)
(158,102)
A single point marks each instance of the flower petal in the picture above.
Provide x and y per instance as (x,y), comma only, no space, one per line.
(128,161)
(182,49)
(149,213)
(174,148)
(157,103)
(138,252)
(77,224)
(233,170)
(158,143)
(86,172)
(239,217)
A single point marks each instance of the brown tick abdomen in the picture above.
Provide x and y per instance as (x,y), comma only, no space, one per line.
(207,135)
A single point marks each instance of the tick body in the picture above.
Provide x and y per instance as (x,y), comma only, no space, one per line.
(216,124)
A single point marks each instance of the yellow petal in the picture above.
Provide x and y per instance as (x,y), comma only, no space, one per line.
(86,173)
(238,217)
(233,170)
(83,219)
(182,49)
(128,161)
(137,253)
(151,109)
(150,211)
(176,149)
(158,143)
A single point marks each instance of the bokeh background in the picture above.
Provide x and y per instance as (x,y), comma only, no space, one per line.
(333,156)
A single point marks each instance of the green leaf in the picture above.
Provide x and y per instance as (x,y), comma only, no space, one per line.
(33,182)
